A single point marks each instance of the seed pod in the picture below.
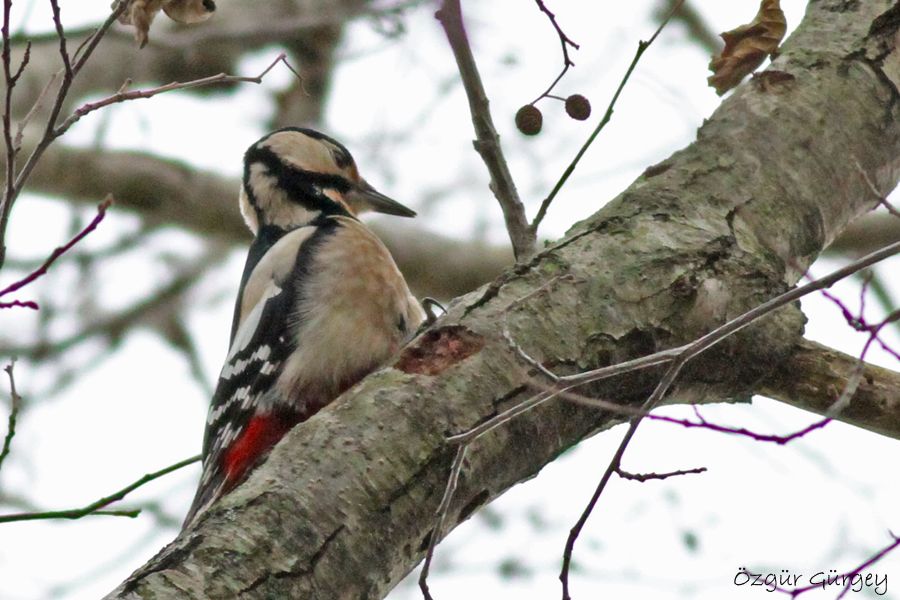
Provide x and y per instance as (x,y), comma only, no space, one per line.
(578,107)
(529,119)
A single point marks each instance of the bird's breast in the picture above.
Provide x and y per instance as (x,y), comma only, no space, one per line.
(353,312)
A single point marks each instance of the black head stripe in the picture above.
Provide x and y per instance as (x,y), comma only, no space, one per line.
(302,186)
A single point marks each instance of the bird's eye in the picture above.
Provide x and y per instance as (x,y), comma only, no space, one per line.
(341,158)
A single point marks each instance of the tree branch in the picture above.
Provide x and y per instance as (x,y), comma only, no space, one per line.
(15,403)
(813,376)
(642,47)
(95,508)
(165,192)
(487,141)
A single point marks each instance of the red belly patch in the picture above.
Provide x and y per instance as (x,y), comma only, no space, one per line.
(260,435)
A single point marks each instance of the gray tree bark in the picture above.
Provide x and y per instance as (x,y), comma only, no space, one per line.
(344,506)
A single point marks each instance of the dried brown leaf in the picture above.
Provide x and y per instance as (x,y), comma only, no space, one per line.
(748,46)
(140,14)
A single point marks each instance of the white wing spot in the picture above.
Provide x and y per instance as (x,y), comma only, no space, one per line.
(236,367)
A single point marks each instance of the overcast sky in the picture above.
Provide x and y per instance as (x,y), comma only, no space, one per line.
(825,502)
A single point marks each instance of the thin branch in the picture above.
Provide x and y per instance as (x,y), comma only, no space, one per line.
(571,382)
(487,142)
(565,41)
(642,47)
(10,169)
(26,57)
(440,517)
(38,104)
(694,348)
(882,294)
(642,477)
(61,34)
(793,593)
(42,270)
(15,183)
(15,402)
(859,323)
(698,29)
(882,198)
(94,508)
(161,304)
(123,96)
(759,437)
(84,51)
(21,304)
(678,357)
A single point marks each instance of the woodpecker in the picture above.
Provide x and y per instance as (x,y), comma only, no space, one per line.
(321,302)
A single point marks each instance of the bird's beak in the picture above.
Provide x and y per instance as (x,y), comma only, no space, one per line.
(364,197)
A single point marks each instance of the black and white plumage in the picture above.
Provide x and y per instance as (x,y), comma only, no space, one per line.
(321,302)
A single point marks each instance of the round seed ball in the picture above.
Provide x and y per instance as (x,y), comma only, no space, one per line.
(529,119)
(578,107)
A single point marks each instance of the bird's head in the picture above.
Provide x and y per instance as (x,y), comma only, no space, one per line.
(293,175)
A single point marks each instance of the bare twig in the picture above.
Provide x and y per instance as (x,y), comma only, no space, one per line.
(157,308)
(60,32)
(38,104)
(678,357)
(440,516)
(697,27)
(859,323)
(642,47)
(42,270)
(15,403)
(94,508)
(15,182)
(569,383)
(693,349)
(487,142)
(793,593)
(882,198)
(565,41)
(123,96)
(741,431)
(7,124)
(642,477)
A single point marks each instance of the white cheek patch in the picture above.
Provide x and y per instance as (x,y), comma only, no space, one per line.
(273,202)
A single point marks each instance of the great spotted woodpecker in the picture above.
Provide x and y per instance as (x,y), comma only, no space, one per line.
(321,302)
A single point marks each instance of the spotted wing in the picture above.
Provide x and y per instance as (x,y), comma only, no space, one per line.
(247,415)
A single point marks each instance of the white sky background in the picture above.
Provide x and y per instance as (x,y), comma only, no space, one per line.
(822,503)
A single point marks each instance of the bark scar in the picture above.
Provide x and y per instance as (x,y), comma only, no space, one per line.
(439,349)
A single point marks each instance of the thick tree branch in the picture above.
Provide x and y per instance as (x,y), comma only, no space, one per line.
(813,376)
(345,509)
(166,192)
(867,233)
